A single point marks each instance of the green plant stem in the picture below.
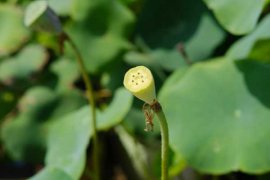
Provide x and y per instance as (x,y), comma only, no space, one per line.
(91,99)
(164,140)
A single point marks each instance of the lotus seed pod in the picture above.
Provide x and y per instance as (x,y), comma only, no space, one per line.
(140,82)
(41,17)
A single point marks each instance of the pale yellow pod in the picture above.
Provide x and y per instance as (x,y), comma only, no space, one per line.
(140,82)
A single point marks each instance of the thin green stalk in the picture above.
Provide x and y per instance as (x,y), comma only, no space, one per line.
(91,99)
(164,140)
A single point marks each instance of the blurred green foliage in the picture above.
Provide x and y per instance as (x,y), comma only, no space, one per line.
(210,59)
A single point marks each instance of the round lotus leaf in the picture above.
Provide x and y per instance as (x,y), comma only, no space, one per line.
(218,115)
(236,16)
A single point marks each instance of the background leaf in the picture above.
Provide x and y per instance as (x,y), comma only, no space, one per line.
(104,40)
(108,118)
(236,16)
(24,134)
(219,129)
(188,23)
(243,47)
(67,73)
(70,156)
(12,31)
(30,60)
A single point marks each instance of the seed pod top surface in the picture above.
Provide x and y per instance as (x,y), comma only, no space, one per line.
(139,81)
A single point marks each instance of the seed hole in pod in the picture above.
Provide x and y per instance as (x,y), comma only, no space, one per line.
(141,76)
(136,83)
(142,80)
(132,81)
(138,73)
(133,75)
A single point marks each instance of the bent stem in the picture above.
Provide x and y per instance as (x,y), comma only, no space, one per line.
(164,139)
(91,99)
